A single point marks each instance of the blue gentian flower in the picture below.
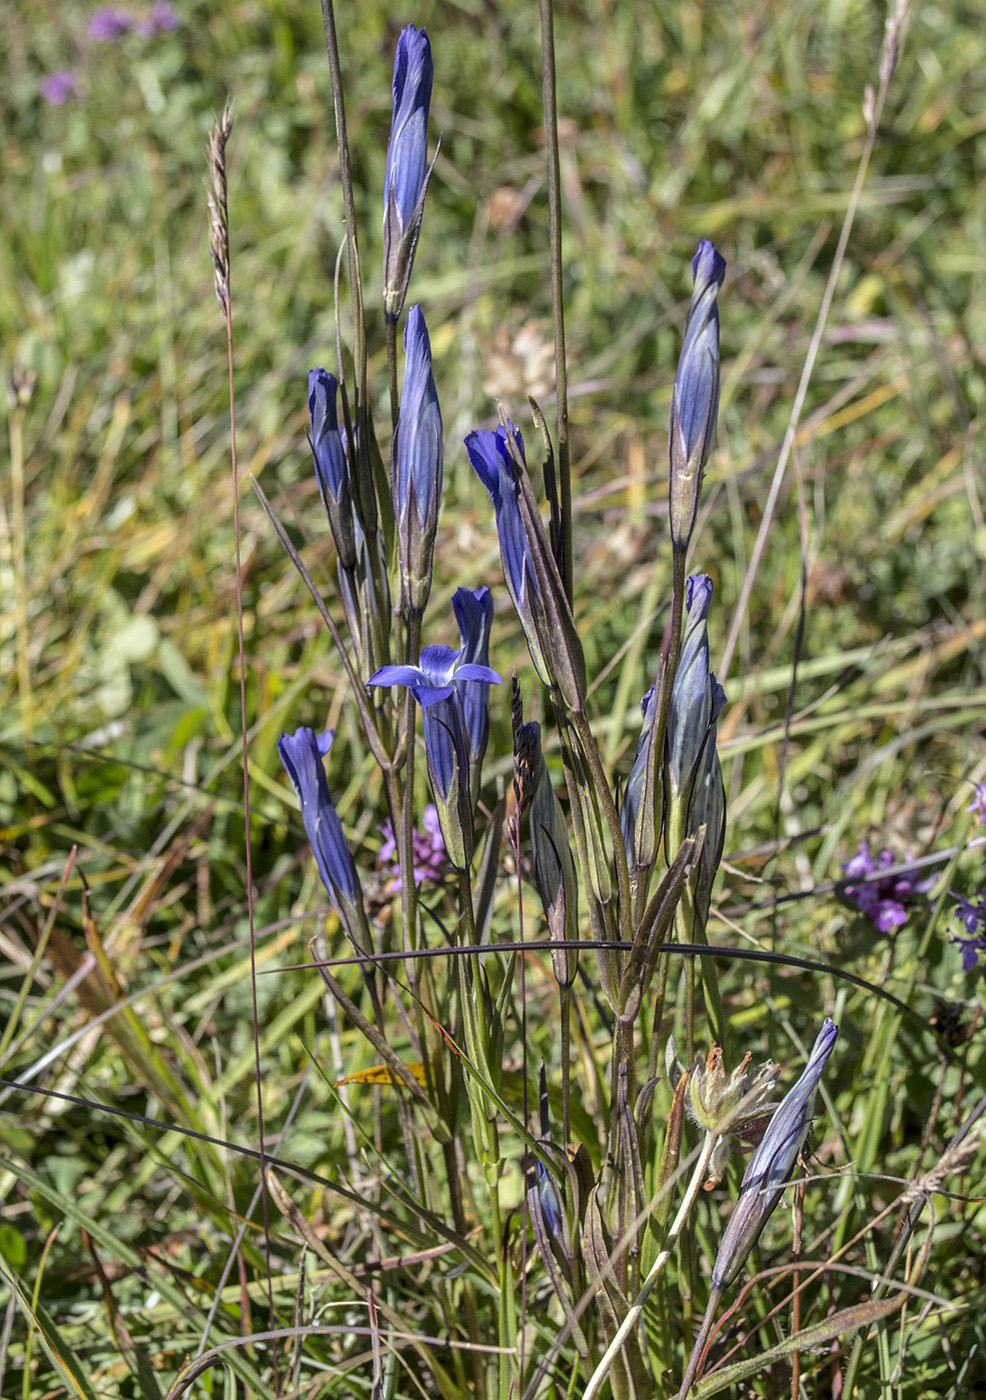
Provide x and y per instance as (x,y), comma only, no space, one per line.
(416,468)
(772,1164)
(432,683)
(331,468)
(302,754)
(529,567)
(406,174)
(435,675)
(695,404)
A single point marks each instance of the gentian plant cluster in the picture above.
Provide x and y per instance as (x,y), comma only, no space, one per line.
(624,868)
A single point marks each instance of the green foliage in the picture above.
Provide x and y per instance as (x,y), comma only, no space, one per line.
(121,711)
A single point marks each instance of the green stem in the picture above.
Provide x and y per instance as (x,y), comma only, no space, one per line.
(634,1312)
(550,102)
(349,207)
(590,752)
(392,372)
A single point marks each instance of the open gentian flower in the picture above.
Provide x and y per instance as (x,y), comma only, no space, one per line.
(435,675)
(432,683)
(772,1164)
(406,175)
(331,468)
(695,405)
(302,754)
(885,901)
(529,567)
(973,917)
(416,466)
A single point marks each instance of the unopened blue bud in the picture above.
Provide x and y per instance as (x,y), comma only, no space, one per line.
(529,567)
(406,174)
(772,1164)
(302,754)
(416,473)
(695,405)
(331,467)
(474,613)
(640,812)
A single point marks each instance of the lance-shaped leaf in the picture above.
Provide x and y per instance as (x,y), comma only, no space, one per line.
(554,864)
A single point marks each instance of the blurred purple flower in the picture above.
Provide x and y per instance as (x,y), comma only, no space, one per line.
(973,916)
(429,858)
(161,19)
(57,88)
(978,803)
(109,24)
(884,901)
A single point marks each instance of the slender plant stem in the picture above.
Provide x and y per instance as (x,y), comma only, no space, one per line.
(874,111)
(392,372)
(550,102)
(349,207)
(634,1312)
(227,306)
(590,752)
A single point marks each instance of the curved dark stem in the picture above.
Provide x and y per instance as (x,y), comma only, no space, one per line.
(546,9)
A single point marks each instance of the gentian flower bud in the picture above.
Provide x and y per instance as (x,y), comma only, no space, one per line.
(416,466)
(772,1164)
(697,699)
(432,683)
(406,174)
(529,567)
(554,864)
(331,467)
(695,405)
(474,614)
(302,754)
(640,811)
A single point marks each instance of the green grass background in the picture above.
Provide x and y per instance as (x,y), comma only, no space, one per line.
(118,674)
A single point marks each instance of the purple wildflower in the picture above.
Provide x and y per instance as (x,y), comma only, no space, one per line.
(978,803)
(109,24)
(429,859)
(885,900)
(973,916)
(57,88)
(161,19)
